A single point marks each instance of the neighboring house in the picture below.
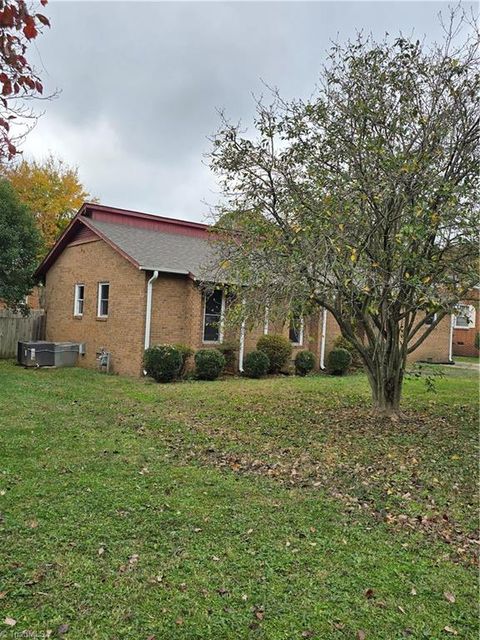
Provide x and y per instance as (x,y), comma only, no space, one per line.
(466,325)
(34,299)
(120,281)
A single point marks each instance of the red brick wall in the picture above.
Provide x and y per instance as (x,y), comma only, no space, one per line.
(171,315)
(464,339)
(122,333)
(435,347)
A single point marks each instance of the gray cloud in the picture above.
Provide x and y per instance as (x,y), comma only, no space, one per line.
(140,83)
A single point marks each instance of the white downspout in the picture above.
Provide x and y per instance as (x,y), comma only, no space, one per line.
(450,346)
(324,334)
(241,351)
(148,311)
(265,322)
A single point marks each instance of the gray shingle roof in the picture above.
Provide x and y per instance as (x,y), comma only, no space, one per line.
(169,252)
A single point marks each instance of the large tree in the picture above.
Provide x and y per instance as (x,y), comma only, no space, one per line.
(20,24)
(53,192)
(362,199)
(19,246)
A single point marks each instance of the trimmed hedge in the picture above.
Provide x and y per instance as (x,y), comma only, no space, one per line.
(278,350)
(256,364)
(344,343)
(304,362)
(186,352)
(162,362)
(338,361)
(209,364)
(229,350)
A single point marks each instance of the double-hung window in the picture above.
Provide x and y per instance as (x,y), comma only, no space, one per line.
(295,333)
(79,300)
(213,316)
(102,303)
(465,316)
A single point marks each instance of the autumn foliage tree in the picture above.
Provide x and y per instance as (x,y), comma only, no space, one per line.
(20,24)
(362,200)
(52,191)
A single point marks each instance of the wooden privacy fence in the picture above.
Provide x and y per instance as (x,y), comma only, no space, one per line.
(14,327)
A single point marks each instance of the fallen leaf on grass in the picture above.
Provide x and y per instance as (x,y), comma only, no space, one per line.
(11,622)
(179,621)
(308,633)
(360,635)
(369,594)
(63,628)
(448,629)
(449,596)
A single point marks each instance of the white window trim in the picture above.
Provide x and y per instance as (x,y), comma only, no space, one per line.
(76,299)
(222,321)
(300,341)
(99,315)
(472,315)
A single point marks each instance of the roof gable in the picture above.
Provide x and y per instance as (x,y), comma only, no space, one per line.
(148,242)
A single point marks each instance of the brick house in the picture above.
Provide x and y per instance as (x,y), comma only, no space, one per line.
(34,299)
(466,325)
(122,280)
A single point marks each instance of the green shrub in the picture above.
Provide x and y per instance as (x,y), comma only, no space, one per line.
(162,362)
(477,341)
(278,350)
(344,343)
(186,352)
(338,361)
(229,350)
(209,364)
(304,362)
(256,364)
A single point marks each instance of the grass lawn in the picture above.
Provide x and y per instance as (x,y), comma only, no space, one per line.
(466,359)
(271,509)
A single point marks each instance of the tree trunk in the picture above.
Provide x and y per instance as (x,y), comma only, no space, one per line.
(386,379)
(387,391)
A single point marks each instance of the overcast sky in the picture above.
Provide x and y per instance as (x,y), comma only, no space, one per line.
(141,84)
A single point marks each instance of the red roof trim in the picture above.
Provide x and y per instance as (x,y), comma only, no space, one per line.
(89,207)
